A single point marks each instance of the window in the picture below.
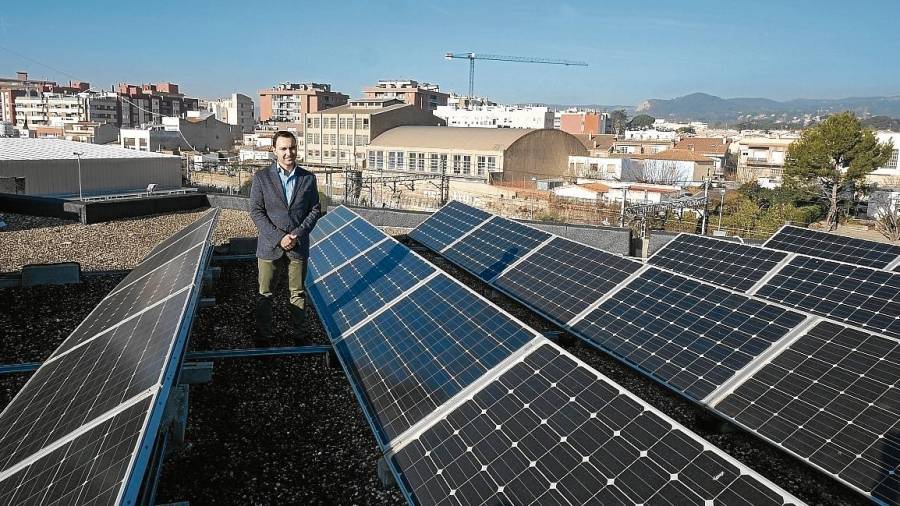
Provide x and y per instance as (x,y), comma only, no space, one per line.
(343,123)
(376,160)
(309,122)
(365,123)
(392,160)
(486,163)
(315,138)
(359,123)
(892,163)
(361,140)
(332,138)
(315,123)
(416,162)
(437,163)
(309,138)
(457,164)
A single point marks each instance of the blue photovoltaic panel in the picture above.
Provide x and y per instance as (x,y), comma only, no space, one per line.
(424,349)
(80,430)
(127,300)
(860,296)
(833,398)
(331,221)
(490,249)
(690,335)
(361,287)
(723,263)
(834,247)
(552,431)
(90,380)
(563,278)
(341,246)
(447,225)
(89,469)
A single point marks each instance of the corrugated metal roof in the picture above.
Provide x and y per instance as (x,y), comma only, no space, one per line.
(486,139)
(58,149)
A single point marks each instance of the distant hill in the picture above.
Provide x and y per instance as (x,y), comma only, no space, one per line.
(705,107)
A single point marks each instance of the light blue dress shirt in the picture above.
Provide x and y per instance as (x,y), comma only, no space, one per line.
(288,182)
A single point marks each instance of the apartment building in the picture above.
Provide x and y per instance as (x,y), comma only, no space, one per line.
(12,88)
(714,148)
(148,103)
(496,116)
(425,96)
(339,135)
(236,110)
(93,132)
(641,147)
(288,102)
(651,135)
(585,122)
(510,156)
(41,109)
(763,157)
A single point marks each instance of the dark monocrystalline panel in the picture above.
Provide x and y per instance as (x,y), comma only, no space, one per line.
(494,246)
(447,225)
(834,247)
(331,221)
(832,397)
(723,263)
(341,246)
(127,301)
(80,386)
(424,349)
(89,469)
(862,296)
(550,431)
(203,223)
(689,335)
(182,247)
(366,284)
(563,278)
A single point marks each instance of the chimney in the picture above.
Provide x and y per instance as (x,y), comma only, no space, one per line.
(22,76)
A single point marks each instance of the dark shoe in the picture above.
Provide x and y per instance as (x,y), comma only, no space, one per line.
(263,320)
(262,340)
(302,339)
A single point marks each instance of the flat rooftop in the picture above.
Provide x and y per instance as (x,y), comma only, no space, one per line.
(59,149)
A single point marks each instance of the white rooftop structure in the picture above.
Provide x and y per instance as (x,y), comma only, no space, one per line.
(58,149)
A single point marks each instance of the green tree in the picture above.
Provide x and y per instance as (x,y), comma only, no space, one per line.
(641,121)
(619,119)
(686,130)
(833,159)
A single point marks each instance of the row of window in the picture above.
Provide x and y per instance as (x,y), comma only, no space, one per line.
(333,154)
(413,161)
(332,139)
(333,123)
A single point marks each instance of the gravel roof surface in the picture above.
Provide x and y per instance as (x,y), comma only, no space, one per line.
(288,430)
(118,244)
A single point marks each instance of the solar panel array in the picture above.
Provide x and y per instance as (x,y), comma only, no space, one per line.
(729,264)
(713,343)
(80,430)
(468,403)
(835,247)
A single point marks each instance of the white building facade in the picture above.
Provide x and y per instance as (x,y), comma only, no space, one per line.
(237,110)
(55,109)
(496,116)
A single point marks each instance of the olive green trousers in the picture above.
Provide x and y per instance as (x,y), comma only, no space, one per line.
(296,274)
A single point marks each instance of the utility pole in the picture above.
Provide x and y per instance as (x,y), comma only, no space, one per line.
(624,200)
(706,182)
(78,155)
(721,205)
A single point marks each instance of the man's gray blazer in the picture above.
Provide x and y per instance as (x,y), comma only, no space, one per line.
(275,217)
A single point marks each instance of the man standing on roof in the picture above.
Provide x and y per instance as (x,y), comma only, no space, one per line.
(284,205)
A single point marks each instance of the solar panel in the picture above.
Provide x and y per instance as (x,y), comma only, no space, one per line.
(341,245)
(447,225)
(863,296)
(550,430)
(494,246)
(723,263)
(424,349)
(365,284)
(88,469)
(834,247)
(832,398)
(76,430)
(691,336)
(563,278)
(329,222)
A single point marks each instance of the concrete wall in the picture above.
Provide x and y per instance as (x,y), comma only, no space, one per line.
(98,176)
(539,154)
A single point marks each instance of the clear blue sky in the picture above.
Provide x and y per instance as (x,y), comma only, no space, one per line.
(636,49)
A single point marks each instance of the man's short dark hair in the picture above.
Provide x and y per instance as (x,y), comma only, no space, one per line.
(283,133)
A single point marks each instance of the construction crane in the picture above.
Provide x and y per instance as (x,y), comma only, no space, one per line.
(496,57)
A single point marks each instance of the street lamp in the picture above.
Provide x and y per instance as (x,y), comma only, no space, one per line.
(77,154)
